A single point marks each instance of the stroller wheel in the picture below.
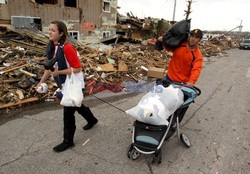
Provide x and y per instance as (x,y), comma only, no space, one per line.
(130,148)
(184,139)
(134,154)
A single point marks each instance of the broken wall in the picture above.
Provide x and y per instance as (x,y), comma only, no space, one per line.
(47,12)
(105,32)
(109,16)
(4,14)
(91,10)
(88,16)
(101,21)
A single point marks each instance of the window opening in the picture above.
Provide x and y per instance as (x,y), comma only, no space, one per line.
(70,3)
(46,1)
(106,6)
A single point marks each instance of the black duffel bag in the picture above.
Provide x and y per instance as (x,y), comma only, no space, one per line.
(177,34)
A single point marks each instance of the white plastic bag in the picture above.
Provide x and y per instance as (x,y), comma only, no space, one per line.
(72,91)
(43,88)
(155,108)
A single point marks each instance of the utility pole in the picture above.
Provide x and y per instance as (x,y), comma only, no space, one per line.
(240,27)
(174,10)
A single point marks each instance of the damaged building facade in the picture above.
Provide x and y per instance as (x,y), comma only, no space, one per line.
(84,18)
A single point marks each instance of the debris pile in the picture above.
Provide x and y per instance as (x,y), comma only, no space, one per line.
(19,66)
(27,41)
(22,56)
(22,59)
(135,28)
(122,63)
(218,46)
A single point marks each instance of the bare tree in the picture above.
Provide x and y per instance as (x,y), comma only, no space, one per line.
(188,11)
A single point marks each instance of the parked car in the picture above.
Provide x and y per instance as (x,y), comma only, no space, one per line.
(245,44)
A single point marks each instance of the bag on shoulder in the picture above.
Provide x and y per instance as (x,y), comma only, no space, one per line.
(177,34)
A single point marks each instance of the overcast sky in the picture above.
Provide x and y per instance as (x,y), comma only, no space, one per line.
(206,14)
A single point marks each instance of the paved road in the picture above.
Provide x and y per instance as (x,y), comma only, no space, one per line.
(217,124)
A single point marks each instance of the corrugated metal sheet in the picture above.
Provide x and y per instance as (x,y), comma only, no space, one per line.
(20,22)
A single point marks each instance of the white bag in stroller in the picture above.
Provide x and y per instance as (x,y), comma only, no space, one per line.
(155,108)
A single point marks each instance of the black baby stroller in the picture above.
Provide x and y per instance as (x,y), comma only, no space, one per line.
(148,139)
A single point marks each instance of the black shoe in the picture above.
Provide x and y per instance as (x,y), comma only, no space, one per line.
(62,147)
(90,125)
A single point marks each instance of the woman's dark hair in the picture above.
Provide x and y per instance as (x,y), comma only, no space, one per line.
(62,29)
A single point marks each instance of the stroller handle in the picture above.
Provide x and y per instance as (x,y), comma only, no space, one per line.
(196,89)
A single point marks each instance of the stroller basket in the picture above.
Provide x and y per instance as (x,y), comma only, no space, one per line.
(148,137)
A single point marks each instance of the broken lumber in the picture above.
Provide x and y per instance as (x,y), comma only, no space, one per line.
(29,100)
(12,69)
(10,81)
(27,73)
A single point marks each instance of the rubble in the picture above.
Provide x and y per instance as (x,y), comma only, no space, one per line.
(21,65)
(218,46)
(22,55)
(27,41)
(132,27)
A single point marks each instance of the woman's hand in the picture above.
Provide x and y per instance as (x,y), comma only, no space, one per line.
(45,76)
(37,85)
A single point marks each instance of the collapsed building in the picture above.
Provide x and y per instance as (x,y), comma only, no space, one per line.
(135,28)
(83,17)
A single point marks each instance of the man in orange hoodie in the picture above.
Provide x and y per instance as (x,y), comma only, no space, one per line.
(186,63)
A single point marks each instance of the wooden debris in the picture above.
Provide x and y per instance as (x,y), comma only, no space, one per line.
(12,69)
(107,67)
(10,81)
(122,66)
(20,94)
(29,100)
(27,73)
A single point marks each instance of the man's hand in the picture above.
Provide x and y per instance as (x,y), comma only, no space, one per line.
(165,72)
(189,84)
(160,39)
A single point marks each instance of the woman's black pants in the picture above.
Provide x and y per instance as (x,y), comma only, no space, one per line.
(69,120)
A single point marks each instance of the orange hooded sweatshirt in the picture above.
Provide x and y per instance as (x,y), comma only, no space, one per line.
(183,66)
